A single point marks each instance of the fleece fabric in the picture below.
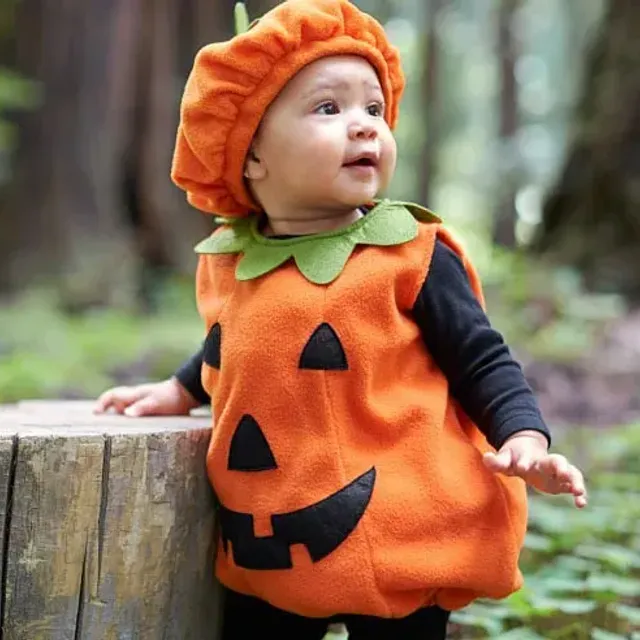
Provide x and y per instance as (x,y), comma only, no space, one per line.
(348,478)
(232,83)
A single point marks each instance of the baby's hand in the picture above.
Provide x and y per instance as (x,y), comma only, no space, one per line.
(168,398)
(525,455)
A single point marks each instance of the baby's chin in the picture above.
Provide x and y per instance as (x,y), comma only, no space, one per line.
(358,197)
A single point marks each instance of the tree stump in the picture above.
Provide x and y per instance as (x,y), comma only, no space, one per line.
(106,526)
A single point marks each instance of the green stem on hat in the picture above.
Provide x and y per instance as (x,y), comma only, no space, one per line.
(241,18)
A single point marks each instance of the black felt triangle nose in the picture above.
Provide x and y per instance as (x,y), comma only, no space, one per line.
(211,349)
(324,351)
(249,449)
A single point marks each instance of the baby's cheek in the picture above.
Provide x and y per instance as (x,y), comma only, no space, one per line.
(389,149)
(388,163)
(318,163)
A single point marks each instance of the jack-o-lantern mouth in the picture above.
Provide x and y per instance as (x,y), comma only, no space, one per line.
(321,527)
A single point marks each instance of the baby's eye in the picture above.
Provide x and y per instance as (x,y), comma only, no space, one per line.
(328,108)
(376,109)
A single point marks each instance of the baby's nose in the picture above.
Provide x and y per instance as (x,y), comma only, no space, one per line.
(362,130)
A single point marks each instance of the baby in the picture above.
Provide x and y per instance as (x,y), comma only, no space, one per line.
(373,436)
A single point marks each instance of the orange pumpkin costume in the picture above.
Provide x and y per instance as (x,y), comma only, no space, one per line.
(349,480)
(346,473)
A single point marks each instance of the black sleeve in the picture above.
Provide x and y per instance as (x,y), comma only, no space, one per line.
(188,376)
(484,378)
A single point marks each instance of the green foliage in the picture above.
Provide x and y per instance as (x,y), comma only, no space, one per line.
(44,353)
(542,308)
(16,93)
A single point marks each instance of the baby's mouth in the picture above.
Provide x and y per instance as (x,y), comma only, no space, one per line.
(364,160)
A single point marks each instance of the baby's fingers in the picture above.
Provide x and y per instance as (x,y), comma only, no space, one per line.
(119,398)
(578,488)
(562,477)
(524,464)
(499,462)
(150,405)
(104,402)
(553,469)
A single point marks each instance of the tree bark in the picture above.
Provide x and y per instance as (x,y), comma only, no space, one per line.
(257,8)
(106,526)
(504,229)
(91,205)
(66,194)
(591,217)
(431,100)
(7,33)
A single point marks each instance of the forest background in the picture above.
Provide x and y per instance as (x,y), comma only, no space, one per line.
(520,127)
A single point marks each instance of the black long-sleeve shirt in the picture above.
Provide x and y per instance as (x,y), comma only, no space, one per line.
(483,376)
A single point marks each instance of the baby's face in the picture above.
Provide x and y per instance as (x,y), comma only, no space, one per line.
(323,143)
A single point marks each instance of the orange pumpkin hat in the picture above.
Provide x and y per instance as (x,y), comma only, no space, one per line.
(232,83)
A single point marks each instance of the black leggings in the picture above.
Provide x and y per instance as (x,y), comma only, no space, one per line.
(247,617)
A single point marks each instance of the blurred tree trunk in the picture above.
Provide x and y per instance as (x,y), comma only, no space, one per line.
(7,32)
(591,218)
(91,203)
(504,229)
(430,99)
(257,8)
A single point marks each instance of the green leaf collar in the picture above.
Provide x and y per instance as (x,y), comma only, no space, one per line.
(320,257)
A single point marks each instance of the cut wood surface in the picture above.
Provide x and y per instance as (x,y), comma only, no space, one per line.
(106,526)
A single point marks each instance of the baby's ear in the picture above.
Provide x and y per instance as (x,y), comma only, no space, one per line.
(254,168)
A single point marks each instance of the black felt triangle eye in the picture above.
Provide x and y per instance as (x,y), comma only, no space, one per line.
(324,351)
(211,350)
(249,449)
